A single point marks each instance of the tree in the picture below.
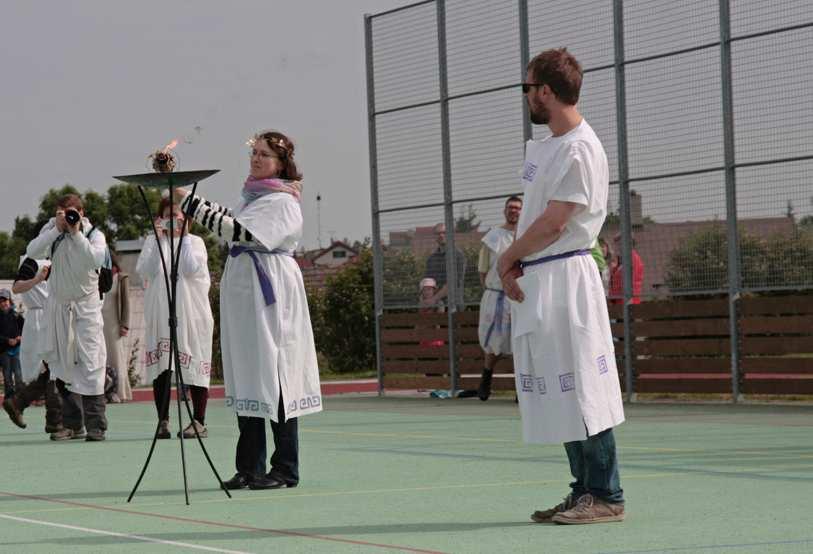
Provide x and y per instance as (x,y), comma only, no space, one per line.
(343,316)
(701,262)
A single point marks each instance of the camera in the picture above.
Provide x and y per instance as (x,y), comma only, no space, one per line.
(72,216)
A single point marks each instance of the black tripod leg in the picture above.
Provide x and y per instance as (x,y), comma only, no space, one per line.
(158,426)
(176,353)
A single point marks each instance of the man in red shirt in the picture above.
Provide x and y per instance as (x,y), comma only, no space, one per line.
(616,292)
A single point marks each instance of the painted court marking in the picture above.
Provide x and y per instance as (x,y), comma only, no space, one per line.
(122,535)
(165,517)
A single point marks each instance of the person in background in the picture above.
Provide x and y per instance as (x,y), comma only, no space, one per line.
(195,320)
(494,330)
(616,292)
(10,338)
(73,343)
(436,269)
(32,286)
(116,315)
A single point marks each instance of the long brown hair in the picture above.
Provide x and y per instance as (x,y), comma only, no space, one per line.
(283,147)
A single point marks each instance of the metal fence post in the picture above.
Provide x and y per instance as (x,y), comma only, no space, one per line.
(524,56)
(734,268)
(378,260)
(448,207)
(624,199)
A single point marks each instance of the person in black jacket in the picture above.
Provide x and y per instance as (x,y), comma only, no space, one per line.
(10,336)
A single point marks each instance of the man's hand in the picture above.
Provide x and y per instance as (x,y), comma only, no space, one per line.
(123,331)
(61,224)
(510,285)
(43,274)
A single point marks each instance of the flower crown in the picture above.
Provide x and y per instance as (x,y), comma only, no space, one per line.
(273,141)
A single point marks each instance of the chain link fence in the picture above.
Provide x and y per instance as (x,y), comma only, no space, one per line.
(701,105)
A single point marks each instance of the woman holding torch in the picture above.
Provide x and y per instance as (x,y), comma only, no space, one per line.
(269,357)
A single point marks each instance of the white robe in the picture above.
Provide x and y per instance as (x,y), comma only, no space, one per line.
(34,300)
(195,320)
(494,329)
(268,349)
(73,341)
(566,377)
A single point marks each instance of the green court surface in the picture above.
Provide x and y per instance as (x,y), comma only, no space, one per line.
(417,475)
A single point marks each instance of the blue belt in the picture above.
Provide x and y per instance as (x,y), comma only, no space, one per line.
(265,282)
(498,315)
(546,259)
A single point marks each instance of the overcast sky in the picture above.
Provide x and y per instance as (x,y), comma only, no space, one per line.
(91,87)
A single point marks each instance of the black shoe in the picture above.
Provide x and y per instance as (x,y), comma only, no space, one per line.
(95,435)
(484,391)
(467,393)
(276,476)
(263,483)
(239,481)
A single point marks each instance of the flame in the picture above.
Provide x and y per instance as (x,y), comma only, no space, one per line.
(170,146)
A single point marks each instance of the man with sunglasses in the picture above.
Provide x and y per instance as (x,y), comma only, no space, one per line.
(564,359)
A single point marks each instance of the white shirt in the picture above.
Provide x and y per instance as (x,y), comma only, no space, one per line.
(74,262)
(563,168)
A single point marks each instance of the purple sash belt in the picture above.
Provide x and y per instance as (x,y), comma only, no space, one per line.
(496,323)
(546,259)
(262,276)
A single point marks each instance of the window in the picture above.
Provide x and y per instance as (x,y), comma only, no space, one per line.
(339,254)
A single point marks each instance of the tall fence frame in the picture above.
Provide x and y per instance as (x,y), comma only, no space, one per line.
(620,66)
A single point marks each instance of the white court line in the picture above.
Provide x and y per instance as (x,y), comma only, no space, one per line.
(123,535)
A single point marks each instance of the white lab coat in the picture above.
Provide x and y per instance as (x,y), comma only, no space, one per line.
(194,313)
(268,349)
(566,377)
(73,341)
(34,300)
(494,329)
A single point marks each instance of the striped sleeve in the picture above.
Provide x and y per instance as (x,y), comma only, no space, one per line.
(217,219)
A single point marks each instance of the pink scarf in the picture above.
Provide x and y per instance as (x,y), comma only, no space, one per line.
(255,188)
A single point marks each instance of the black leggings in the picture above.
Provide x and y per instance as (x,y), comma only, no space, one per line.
(161,390)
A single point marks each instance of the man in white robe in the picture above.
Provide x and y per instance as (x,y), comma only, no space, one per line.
(32,286)
(564,360)
(494,330)
(73,345)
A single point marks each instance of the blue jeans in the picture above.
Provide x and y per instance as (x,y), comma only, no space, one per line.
(594,466)
(12,374)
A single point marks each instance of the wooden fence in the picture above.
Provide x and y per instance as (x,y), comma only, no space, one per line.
(679,346)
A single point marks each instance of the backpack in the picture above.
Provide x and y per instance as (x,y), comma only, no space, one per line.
(105,272)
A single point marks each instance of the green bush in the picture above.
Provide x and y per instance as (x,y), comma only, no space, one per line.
(343,316)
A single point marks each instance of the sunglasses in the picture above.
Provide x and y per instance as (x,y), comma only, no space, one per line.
(526,87)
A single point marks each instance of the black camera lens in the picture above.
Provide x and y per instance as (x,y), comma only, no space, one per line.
(72,217)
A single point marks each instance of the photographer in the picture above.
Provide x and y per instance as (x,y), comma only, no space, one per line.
(73,345)
(32,286)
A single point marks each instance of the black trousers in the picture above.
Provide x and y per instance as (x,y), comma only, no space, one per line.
(35,390)
(251,446)
(80,410)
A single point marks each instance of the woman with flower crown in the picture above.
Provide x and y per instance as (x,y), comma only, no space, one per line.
(269,358)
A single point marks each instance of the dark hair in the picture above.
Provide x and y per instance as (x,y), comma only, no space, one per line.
(165,203)
(71,201)
(513,198)
(558,69)
(284,148)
